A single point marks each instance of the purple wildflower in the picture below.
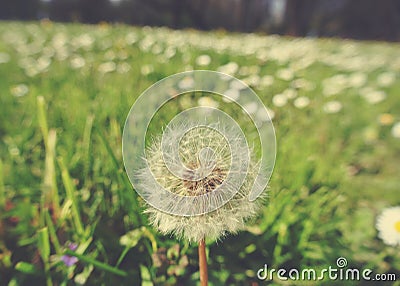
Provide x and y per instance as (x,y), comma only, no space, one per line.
(70,260)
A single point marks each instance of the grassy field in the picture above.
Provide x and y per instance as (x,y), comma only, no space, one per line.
(65,91)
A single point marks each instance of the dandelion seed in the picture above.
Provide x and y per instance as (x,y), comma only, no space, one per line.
(388,226)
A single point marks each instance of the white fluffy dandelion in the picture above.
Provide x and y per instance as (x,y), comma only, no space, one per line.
(388,226)
(215,166)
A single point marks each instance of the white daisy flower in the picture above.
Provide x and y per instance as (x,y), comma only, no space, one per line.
(279,100)
(230,68)
(107,67)
(396,130)
(267,80)
(203,60)
(77,62)
(251,107)
(333,106)
(207,101)
(123,68)
(386,79)
(233,95)
(146,69)
(374,96)
(301,102)
(285,74)
(19,90)
(186,83)
(388,226)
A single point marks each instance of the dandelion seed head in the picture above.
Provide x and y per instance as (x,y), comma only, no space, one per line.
(203,151)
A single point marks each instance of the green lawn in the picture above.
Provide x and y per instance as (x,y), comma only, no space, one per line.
(65,91)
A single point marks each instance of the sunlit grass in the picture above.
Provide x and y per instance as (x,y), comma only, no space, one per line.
(66,91)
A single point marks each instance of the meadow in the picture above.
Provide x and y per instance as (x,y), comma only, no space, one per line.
(65,92)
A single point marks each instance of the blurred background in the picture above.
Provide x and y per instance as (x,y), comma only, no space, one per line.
(358,19)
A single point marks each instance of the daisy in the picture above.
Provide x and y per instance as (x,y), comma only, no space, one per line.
(388,226)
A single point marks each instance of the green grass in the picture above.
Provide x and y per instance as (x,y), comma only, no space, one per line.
(62,111)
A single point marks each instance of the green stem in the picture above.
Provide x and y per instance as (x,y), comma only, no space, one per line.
(96,263)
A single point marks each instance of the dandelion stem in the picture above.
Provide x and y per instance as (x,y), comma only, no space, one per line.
(203,263)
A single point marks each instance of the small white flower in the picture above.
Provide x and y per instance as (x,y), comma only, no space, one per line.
(374,96)
(19,90)
(237,85)
(107,67)
(186,83)
(233,95)
(123,68)
(285,74)
(386,79)
(146,69)
(279,100)
(251,107)
(332,107)
(252,80)
(357,79)
(396,130)
(290,93)
(302,83)
(207,102)
(203,60)
(77,62)
(230,68)
(267,80)
(261,114)
(301,102)
(388,226)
